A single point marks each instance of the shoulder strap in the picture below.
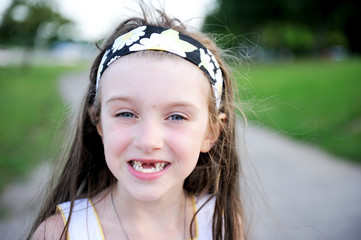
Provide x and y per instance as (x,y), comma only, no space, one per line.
(84,222)
(205,216)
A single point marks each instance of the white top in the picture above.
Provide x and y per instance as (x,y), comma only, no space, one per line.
(85,224)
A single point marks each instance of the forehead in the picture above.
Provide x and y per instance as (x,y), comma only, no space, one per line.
(152,73)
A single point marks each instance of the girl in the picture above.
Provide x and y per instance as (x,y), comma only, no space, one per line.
(154,150)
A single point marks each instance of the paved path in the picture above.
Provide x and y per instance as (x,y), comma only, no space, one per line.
(311,194)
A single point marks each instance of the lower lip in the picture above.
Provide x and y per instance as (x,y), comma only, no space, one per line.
(147,176)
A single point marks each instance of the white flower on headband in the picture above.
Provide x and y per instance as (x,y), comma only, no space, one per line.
(101,66)
(168,41)
(112,60)
(213,59)
(128,38)
(219,84)
(206,62)
(209,62)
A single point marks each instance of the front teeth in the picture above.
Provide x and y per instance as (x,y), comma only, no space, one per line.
(138,166)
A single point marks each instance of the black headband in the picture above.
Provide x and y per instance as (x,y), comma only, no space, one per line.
(164,39)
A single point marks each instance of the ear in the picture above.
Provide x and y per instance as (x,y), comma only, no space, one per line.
(212,135)
(96,121)
(100,129)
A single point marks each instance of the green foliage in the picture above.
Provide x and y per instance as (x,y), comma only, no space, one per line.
(25,23)
(30,110)
(315,101)
(277,35)
(299,25)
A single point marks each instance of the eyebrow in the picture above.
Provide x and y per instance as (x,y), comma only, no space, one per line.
(186,104)
(118,98)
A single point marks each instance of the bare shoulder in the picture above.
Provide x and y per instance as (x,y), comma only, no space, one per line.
(50,229)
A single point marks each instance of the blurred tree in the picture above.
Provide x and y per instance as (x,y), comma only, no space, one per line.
(301,25)
(27,23)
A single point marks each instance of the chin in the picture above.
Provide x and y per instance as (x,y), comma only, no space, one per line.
(147,195)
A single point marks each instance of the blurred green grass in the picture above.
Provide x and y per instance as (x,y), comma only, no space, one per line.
(317,101)
(31,109)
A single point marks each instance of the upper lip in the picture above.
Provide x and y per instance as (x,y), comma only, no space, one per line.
(148,160)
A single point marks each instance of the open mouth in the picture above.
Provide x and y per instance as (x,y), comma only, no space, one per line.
(148,167)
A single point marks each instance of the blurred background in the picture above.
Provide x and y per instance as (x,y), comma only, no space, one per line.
(298,70)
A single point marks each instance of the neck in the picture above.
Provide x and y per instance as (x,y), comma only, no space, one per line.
(160,207)
(165,216)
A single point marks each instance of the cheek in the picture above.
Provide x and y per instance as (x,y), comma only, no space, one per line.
(115,140)
(115,144)
(186,145)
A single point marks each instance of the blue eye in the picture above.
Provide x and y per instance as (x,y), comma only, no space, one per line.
(125,115)
(176,117)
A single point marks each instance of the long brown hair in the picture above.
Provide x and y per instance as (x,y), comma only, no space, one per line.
(217,173)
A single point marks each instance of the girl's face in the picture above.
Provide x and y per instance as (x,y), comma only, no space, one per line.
(154,123)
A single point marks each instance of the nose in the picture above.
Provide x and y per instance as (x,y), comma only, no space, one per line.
(149,136)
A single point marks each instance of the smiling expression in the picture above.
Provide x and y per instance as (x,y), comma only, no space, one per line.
(153,123)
